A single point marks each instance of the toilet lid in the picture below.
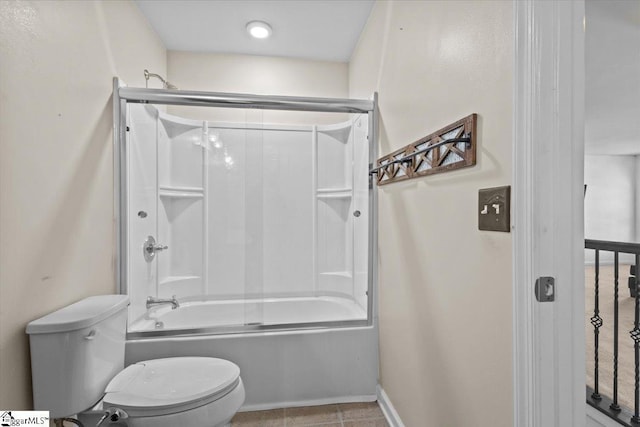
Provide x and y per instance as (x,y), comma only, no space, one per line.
(158,386)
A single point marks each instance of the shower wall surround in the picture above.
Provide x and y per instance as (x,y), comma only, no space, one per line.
(249,212)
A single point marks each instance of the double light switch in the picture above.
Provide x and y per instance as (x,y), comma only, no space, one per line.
(494,209)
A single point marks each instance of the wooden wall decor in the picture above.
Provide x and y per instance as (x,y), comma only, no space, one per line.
(452,147)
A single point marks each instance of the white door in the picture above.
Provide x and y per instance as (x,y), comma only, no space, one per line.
(548,213)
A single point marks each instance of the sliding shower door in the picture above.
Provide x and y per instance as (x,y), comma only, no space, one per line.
(341,214)
(141,200)
(245,224)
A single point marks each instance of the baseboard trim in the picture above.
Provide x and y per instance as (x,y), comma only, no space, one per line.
(311,402)
(623,263)
(597,418)
(388,410)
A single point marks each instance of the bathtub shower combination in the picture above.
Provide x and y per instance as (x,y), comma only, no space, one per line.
(250,241)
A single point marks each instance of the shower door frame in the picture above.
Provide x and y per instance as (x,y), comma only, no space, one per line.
(122,95)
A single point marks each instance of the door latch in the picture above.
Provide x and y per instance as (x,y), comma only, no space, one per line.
(546,289)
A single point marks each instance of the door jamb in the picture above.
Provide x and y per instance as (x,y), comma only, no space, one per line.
(548,240)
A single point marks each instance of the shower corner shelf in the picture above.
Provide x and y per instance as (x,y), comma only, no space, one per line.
(334,193)
(345,274)
(172,279)
(181,192)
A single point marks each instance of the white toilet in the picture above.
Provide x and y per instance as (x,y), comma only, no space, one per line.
(77,361)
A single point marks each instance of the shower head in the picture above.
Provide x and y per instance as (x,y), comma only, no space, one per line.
(165,84)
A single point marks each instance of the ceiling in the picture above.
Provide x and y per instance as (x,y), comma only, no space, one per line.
(612,77)
(325,30)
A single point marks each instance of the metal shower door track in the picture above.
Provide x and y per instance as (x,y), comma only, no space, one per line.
(235,100)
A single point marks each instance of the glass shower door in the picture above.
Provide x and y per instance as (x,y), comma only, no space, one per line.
(142,274)
(255,225)
(234,217)
(342,216)
(181,208)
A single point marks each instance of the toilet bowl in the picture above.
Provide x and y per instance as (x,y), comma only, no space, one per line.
(77,359)
(177,391)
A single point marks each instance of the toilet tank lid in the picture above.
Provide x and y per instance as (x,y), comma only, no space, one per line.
(81,314)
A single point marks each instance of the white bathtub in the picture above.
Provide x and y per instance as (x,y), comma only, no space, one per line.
(271,311)
(279,368)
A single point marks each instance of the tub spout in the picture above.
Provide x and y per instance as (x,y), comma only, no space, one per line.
(151,301)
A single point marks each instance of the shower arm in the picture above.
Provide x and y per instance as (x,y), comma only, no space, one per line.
(165,84)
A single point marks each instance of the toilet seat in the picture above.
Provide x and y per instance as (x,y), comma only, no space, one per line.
(168,386)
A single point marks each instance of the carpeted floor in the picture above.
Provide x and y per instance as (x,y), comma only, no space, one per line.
(625,342)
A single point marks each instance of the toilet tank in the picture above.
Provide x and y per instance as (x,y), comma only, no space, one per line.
(75,352)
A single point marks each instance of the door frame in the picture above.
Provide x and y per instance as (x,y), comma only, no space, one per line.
(120,203)
(548,211)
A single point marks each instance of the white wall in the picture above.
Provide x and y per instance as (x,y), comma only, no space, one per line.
(637,185)
(445,287)
(57,62)
(260,75)
(610,211)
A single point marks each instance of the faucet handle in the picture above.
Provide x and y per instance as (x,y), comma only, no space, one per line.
(149,248)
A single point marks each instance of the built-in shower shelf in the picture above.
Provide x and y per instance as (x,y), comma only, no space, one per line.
(334,196)
(334,190)
(188,189)
(179,195)
(172,279)
(334,193)
(345,274)
(181,192)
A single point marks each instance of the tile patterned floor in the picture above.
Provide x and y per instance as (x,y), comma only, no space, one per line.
(340,415)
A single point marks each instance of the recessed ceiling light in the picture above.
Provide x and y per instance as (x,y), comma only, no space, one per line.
(259,29)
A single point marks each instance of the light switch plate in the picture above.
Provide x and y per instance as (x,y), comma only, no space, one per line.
(494,209)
